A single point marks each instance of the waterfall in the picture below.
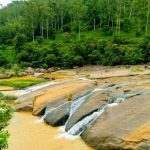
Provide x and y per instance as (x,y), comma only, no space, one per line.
(34,88)
(78,102)
(80,126)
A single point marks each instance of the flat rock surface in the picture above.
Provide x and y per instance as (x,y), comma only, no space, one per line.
(64,92)
(123,127)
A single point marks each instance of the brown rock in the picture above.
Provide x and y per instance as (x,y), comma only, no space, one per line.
(123,127)
(91,105)
(62,93)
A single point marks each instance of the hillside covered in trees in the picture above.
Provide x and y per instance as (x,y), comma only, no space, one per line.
(68,33)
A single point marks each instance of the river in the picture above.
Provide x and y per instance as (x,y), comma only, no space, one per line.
(27,134)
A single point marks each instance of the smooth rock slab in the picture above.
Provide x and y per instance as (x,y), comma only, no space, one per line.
(57,116)
(123,127)
(61,93)
(92,104)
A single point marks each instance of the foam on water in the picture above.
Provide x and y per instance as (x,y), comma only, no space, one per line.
(80,126)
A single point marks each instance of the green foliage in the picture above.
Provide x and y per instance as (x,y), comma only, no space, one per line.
(4,135)
(20,84)
(5,115)
(74,33)
(9,97)
(19,41)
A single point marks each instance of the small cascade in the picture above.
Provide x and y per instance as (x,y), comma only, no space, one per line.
(78,102)
(34,88)
(86,122)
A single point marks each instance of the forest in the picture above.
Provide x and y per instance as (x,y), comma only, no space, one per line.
(71,33)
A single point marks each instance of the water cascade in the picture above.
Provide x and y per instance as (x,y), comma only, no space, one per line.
(79,127)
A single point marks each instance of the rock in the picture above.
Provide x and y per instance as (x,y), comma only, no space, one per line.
(52,95)
(37,75)
(50,70)
(91,105)
(30,71)
(97,100)
(26,108)
(20,74)
(57,116)
(3,76)
(112,93)
(40,70)
(62,93)
(123,127)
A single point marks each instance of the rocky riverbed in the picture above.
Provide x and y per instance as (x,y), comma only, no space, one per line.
(107,113)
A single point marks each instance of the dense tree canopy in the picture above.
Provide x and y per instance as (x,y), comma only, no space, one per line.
(37,20)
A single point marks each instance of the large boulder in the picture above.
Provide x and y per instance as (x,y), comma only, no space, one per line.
(122,127)
(25,101)
(61,94)
(57,116)
(92,104)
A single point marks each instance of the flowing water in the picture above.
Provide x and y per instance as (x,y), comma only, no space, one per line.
(31,133)
(26,134)
(80,126)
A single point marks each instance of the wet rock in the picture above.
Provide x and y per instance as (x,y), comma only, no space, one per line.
(62,93)
(57,116)
(26,108)
(92,104)
(122,127)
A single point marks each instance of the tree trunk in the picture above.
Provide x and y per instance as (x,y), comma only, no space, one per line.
(94,24)
(58,23)
(79,30)
(62,20)
(33,33)
(55,24)
(47,29)
(42,30)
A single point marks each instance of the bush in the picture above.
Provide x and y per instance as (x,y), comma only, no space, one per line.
(94,57)
(9,97)
(19,41)
(5,115)
(107,30)
(78,61)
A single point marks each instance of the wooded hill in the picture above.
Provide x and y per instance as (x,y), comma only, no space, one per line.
(67,33)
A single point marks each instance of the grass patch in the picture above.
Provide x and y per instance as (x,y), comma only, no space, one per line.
(137,69)
(20,84)
(7,97)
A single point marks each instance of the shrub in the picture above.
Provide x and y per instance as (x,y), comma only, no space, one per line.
(78,61)
(5,115)
(9,97)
